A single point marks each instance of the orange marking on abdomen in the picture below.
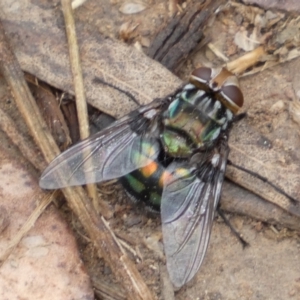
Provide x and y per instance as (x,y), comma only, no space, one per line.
(148,170)
(165,177)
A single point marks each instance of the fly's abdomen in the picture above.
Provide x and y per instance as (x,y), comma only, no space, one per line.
(146,184)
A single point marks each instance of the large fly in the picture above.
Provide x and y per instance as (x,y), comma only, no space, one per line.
(171,154)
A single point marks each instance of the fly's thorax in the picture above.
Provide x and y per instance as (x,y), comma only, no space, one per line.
(207,103)
(193,121)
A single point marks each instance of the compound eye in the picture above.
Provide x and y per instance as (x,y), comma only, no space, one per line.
(233,95)
(202,74)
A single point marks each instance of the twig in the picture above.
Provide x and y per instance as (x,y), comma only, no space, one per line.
(217,52)
(241,64)
(77,199)
(107,292)
(81,105)
(166,285)
(47,199)
(8,126)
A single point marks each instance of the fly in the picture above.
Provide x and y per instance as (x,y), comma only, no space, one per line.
(171,154)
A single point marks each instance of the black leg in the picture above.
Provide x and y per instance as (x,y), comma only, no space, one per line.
(128,94)
(233,230)
(264,179)
(239,117)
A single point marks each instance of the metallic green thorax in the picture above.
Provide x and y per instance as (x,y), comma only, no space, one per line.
(192,122)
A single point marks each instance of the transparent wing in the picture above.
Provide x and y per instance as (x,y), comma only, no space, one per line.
(111,153)
(190,198)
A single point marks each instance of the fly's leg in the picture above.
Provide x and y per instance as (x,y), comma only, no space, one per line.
(128,94)
(233,230)
(239,117)
(265,180)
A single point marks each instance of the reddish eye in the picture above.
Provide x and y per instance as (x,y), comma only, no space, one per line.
(203,74)
(234,94)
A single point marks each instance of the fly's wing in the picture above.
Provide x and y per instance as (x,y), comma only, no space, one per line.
(190,198)
(111,153)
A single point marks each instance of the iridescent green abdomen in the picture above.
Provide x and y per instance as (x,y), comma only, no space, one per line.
(146,184)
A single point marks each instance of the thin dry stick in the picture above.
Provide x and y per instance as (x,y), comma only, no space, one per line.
(8,126)
(105,291)
(78,201)
(47,199)
(78,85)
(242,63)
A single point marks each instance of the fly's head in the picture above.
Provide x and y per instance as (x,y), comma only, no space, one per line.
(220,82)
